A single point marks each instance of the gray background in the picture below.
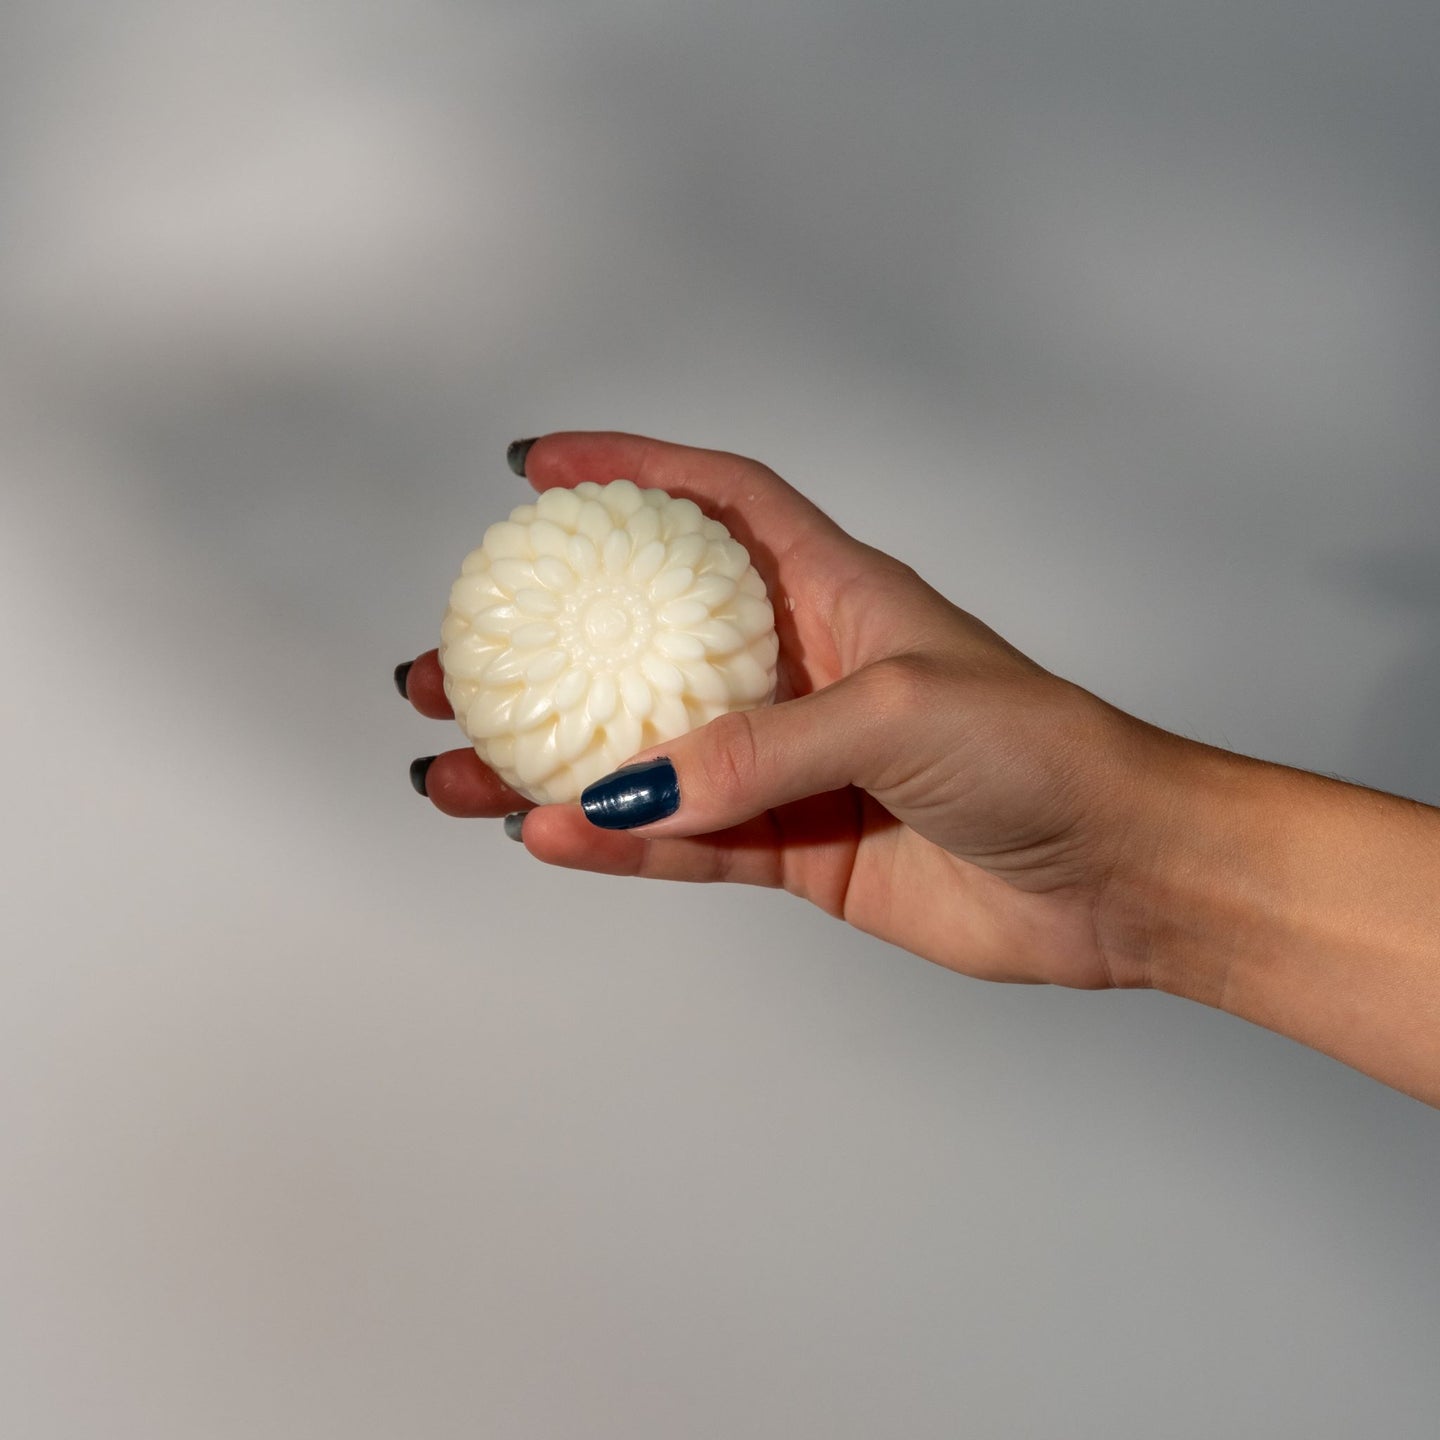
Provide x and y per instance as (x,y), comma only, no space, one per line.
(323,1115)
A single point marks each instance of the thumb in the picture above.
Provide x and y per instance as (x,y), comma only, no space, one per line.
(747,762)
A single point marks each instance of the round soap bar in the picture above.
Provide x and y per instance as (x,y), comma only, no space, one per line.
(595,623)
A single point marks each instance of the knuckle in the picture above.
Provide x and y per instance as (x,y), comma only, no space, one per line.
(881,598)
(902,684)
(731,761)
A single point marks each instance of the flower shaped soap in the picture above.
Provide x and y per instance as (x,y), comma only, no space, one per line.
(597,622)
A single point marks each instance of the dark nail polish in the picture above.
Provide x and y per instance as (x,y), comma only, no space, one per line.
(418,770)
(633,795)
(402,674)
(514,823)
(518,450)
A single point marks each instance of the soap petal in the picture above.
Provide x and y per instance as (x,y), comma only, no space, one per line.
(590,766)
(573,734)
(474,592)
(751,615)
(499,754)
(664,676)
(671,582)
(489,713)
(533,634)
(600,703)
(687,550)
(554,574)
(537,603)
(453,626)
(678,645)
(535,757)
(749,681)
(718,637)
(705,682)
(644,526)
(572,688)
(622,499)
(647,562)
(711,590)
(560,506)
(684,517)
(683,612)
(545,666)
(469,657)
(670,717)
(534,705)
(635,691)
(737,558)
(594,520)
(512,575)
(615,552)
(623,736)
(548,538)
(496,620)
(507,539)
(508,665)
(584,558)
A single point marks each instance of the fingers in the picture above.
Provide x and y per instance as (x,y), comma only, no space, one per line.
(457,782)
(749,499)
(748,762)
(423,685)
(460,784)
(747,854)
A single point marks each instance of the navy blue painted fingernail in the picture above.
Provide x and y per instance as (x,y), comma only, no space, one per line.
(633,795)
(516,453)
(402,674)
(418,769)
(514,824)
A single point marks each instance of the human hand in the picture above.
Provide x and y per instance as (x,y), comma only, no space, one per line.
(918,777)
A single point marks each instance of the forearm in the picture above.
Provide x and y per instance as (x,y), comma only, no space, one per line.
(1301,903)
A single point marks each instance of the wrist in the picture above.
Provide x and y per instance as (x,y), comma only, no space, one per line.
(1299,902)
(1195,878)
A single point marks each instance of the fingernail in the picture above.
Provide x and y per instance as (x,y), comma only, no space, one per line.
(518,450)
(402,673)
(633,795)
(418,769)
(514,823)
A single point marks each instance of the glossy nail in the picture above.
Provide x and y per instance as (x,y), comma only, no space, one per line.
(402,674)
(632,795)
(418,770)
(516,453)
(514,823)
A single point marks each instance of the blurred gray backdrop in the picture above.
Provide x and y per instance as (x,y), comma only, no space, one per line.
(322,1115)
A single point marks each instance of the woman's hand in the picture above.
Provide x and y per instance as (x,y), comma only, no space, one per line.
(917,777)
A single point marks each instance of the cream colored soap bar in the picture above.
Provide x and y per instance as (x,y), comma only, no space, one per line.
(595,623)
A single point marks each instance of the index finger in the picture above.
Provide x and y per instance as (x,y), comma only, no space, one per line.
(763,512)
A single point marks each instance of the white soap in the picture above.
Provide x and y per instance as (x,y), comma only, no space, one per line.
(598,622)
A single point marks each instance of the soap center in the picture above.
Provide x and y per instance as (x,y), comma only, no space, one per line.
(606,625)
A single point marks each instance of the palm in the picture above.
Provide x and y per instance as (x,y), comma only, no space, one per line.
(847,853)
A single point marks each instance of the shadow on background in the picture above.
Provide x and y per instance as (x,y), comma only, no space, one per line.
(1395,743)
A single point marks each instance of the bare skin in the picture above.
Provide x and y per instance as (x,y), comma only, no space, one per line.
(924,781)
